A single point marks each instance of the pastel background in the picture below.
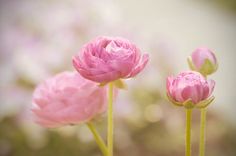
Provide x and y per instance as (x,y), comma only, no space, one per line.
(39,37)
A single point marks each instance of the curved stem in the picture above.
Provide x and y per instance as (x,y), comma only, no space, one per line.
(188,132)
(110,120)
(202,132)
(98,138)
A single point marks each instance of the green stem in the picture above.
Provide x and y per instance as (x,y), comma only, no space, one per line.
(110,120)
(98,138)
(188,132)
(202,132)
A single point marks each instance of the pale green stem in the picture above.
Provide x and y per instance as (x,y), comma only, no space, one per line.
(98,138)
(188,132)
(202,132)
(110,120)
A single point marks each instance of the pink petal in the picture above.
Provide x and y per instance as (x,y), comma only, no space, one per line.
(122,67)
(105,77)
(140,66)
(177,95)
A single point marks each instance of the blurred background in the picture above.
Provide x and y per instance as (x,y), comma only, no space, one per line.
(39,37)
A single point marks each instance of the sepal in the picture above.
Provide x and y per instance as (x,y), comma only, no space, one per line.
(205,103)
(188,104)
(190,63)
(102,84)
(120,84)
(117,83)
(173,101)
(208,67)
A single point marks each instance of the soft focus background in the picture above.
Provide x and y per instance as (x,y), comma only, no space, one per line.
(39,37)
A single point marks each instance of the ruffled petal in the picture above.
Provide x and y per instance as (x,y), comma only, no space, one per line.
(143,62)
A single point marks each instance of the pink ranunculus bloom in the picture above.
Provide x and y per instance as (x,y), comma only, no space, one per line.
(66,99)
(203,60)
(190,89)
(107,59)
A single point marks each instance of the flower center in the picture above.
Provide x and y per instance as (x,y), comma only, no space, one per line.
(112,47)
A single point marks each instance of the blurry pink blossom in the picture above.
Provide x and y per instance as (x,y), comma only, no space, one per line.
(190,88)
(203,60)
(107,59)
(66,99)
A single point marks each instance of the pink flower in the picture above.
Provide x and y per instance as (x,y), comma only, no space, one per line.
(190,89)
(66,99)
(203,60)
(107,59)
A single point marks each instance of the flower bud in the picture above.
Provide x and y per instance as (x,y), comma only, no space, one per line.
(203,60)
(190,89)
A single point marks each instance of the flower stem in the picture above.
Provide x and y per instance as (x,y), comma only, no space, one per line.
(110,120)
(97,138)
(188,132)
(202,132)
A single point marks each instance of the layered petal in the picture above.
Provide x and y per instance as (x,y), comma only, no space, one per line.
(67,98)
(189,85)
(107,59)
